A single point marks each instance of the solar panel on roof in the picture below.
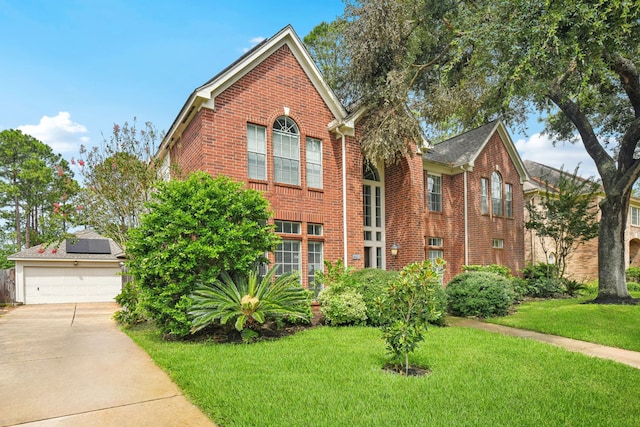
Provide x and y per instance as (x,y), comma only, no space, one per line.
(88,246)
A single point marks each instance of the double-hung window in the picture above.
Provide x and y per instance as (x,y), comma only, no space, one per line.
(635,216)
(435,248)
(256,150)
(286,151)
(508,200)
(434,183)
(315,254)
(288,252)
(484,195)
(314,163)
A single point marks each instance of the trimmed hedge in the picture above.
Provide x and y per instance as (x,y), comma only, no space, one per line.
(372,283)
(480,294)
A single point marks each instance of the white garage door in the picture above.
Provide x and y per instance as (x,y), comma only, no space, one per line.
(71,284)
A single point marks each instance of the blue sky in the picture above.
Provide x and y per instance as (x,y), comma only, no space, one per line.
(71,69)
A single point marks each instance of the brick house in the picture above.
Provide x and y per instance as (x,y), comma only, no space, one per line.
(271,121)
(582,264)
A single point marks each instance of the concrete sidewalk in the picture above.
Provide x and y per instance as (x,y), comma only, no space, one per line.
(69,365)
(631,358)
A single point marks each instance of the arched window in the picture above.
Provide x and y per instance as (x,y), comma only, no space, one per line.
(369,172)
(496,194)
(286,151)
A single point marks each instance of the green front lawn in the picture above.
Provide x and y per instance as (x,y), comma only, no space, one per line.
(612,325)
(333,377)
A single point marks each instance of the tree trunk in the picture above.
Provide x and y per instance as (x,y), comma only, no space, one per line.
(612,265)
(17,223)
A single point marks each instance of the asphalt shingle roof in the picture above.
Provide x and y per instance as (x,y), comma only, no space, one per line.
(461,149)
(40,252)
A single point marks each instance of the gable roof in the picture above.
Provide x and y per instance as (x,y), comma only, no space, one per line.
(204,96)
(460,152)
(33,253)
(540,174)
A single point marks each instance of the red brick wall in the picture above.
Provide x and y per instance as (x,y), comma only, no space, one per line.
(448,224)
(216,141)
(403,209)
(482,229)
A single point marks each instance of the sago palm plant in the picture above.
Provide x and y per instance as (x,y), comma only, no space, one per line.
(248,301)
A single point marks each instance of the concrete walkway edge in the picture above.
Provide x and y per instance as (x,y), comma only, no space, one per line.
(627,357)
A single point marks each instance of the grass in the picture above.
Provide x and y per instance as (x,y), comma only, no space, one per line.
(333,377)
(612,325)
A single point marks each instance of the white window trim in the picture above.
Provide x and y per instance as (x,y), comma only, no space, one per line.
(429,192)
(262,153)
(314,163)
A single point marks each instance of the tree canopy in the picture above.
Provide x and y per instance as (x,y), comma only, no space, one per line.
(37,190)
(119,177)
(429,67)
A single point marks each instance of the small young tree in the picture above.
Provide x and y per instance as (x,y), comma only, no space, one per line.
(408,307)
(119,177)
(194,230)
(565,217)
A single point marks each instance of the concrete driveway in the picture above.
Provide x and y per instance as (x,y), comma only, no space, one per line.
(69,365)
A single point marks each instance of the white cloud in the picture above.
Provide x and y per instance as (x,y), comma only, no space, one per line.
(254,41)
(565,155)
(59,132)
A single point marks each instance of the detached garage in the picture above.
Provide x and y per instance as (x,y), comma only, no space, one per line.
(85,269)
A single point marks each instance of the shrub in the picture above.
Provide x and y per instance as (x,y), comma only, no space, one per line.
(132,311)
(249,301)
(479,293)
(491,268)
(372,283)
(194,230)
(342,307)
(409,305)
(633,287)
(340,302)
(542,281)
(573,287)
(633,274)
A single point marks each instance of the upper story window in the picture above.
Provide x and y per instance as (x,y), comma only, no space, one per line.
(496,194)
(635,216)
(286,151)
(314,229)
(434,185)
(287,227)
(497,244)
(484,195)
(314,163)
(508,200)
(257,151)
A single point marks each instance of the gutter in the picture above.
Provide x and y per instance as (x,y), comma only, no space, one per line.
(466,220)
(344,196)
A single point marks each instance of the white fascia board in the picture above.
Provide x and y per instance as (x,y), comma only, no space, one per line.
(244,66)
(444,169)
(513,152)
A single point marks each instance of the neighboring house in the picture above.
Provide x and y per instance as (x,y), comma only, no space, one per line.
(85,269)
(582,264)
(271,121)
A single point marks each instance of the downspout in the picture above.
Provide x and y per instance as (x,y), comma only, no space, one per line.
(466,221)
(344,197)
